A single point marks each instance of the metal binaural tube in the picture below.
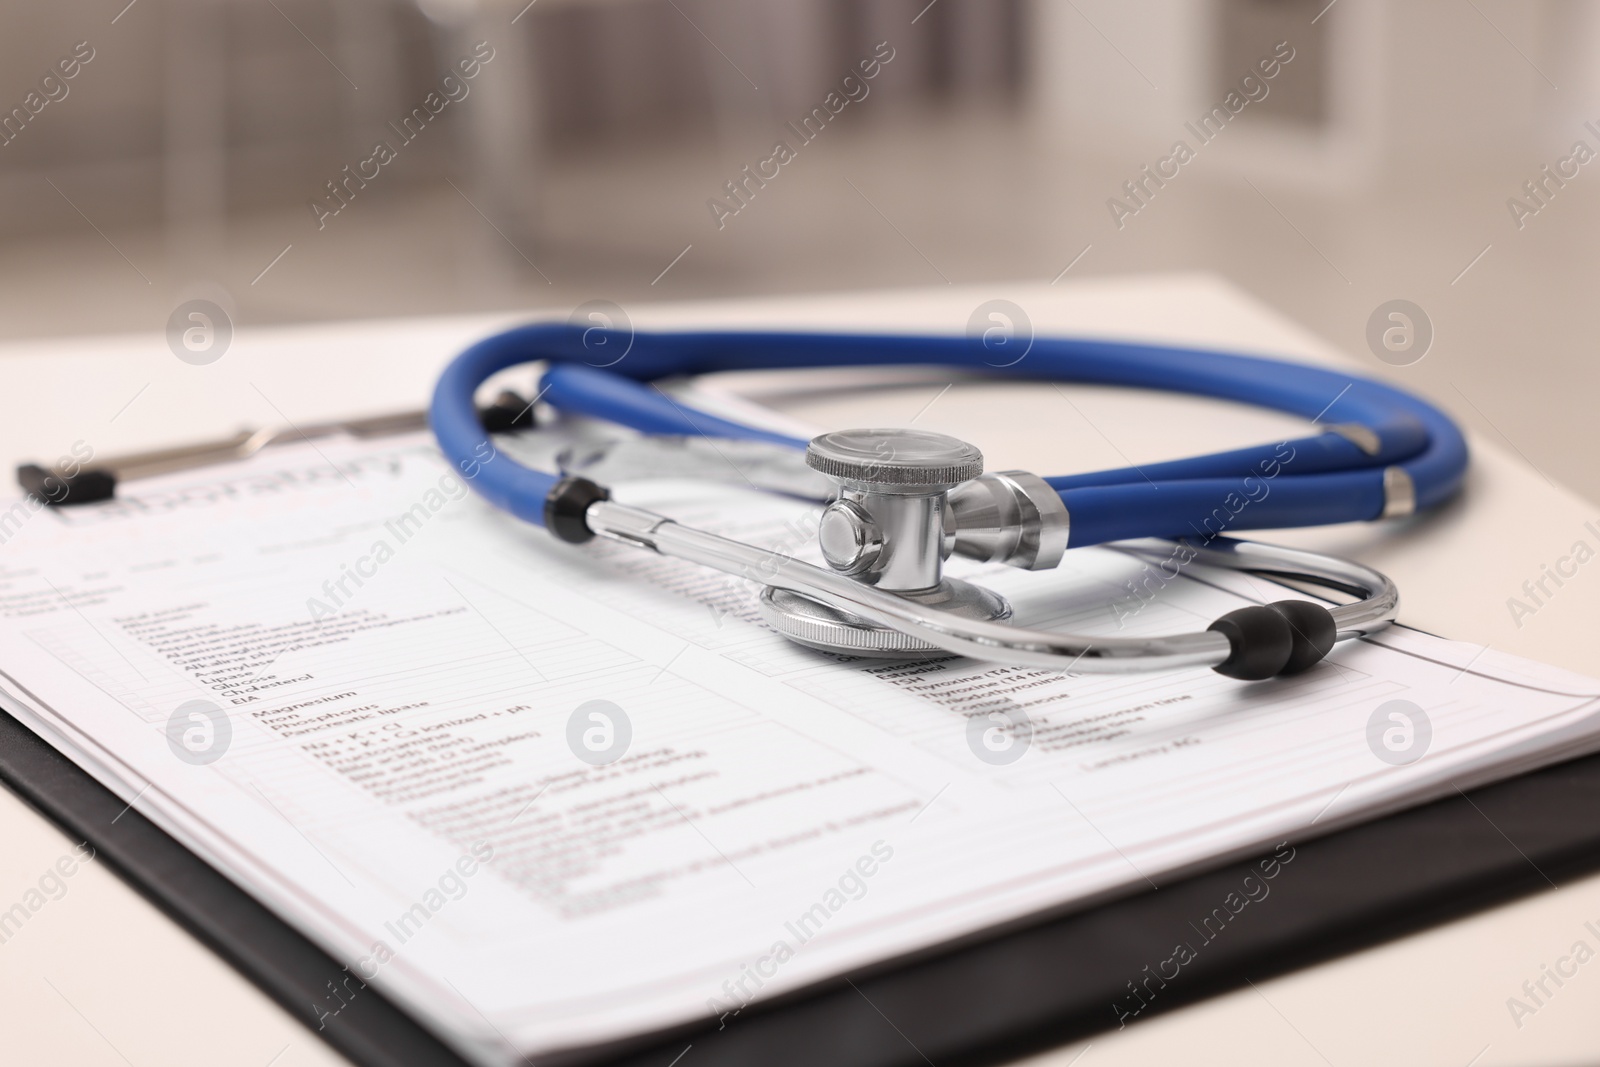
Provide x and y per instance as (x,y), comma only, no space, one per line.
(998,641)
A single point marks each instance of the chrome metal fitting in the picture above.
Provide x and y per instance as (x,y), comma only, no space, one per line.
(851,541)
(1009,517)
(1363,437)
(1399,494)
(887,527)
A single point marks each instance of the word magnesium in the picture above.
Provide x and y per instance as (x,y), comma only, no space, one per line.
(853,89)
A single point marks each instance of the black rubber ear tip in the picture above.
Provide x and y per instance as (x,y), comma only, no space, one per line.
(565,508)
(1314,633)
(509,412)
(1262,642)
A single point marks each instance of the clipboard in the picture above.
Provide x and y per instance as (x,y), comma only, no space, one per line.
(1004,993)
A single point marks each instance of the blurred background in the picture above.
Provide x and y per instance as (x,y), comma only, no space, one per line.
(201,147)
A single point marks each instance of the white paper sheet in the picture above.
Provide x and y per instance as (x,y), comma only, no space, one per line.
(402,761)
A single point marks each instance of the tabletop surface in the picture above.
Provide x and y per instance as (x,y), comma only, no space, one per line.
(99,976)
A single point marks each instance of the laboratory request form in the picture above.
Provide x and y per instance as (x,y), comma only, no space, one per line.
(546,796)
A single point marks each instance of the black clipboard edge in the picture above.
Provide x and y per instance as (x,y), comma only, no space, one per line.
(983,1001)
(1035,986)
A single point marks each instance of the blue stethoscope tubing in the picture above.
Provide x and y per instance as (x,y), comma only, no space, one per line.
(1325,478)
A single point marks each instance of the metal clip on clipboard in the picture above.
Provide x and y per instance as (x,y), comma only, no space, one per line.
(510,411)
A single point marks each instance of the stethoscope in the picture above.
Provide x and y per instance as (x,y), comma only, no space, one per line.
(905,500)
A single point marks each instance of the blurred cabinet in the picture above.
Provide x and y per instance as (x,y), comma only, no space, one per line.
(1376,86)
(195,111)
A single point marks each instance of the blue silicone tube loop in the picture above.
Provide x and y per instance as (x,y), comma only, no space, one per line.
(580,390)
(1329,480)
(1311,455)
(453,416)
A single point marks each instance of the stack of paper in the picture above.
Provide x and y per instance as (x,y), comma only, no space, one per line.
(546,796)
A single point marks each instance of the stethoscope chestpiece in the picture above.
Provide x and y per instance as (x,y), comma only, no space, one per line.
(906,500)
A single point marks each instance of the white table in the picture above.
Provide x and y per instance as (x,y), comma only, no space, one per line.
(99,976)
